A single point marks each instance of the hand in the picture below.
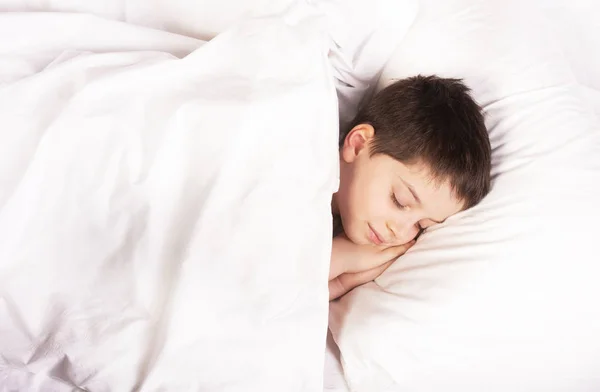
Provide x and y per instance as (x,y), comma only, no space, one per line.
(348,257)
(353,265)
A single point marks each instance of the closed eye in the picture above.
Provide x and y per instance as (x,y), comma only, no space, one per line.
(396,202)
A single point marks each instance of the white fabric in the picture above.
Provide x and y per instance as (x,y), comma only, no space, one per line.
(365,33)
(503,297)
(202,19)
(164,223)
(333,376)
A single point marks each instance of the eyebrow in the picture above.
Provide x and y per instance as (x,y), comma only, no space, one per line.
(412,190)
(414,193)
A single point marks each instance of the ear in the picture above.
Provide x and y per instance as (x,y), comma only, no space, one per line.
(357,141)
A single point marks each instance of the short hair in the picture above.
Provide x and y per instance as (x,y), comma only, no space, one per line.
(434,121)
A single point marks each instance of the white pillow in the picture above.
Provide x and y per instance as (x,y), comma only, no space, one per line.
(503,297)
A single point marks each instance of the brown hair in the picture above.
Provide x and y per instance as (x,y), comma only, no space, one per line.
(435,121)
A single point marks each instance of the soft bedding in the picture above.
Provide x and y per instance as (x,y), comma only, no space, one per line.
(363,34)
(202,19)
(164,222)
(142,200)
(333,375)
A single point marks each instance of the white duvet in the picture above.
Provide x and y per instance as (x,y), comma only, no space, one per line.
(164,222)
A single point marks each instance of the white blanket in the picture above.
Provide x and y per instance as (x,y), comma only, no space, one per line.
(164,222)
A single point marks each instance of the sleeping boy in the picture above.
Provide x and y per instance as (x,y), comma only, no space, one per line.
(416,154)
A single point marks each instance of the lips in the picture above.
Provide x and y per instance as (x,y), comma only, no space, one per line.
(375,237)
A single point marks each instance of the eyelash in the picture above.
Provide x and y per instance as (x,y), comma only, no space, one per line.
(401,206)
(396,202)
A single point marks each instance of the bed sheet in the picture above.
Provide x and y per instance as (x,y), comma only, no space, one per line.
(334,380)
(142,200)
(202,19)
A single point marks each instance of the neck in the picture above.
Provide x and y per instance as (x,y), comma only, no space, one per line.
(334,204)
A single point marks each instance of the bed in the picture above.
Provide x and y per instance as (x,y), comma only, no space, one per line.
(334,380)
(147,187)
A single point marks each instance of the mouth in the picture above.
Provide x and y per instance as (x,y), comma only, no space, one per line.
(374,236)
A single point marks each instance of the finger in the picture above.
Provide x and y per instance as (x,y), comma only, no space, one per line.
(356,278)
(336,288)
(380,269)
(349,281)
(399,250)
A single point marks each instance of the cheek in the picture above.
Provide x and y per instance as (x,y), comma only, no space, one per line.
(362,195)
(354,194)
(379,204)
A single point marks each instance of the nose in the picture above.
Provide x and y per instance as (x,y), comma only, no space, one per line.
(403,232)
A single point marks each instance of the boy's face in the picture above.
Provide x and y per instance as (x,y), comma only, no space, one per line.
(384,202)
